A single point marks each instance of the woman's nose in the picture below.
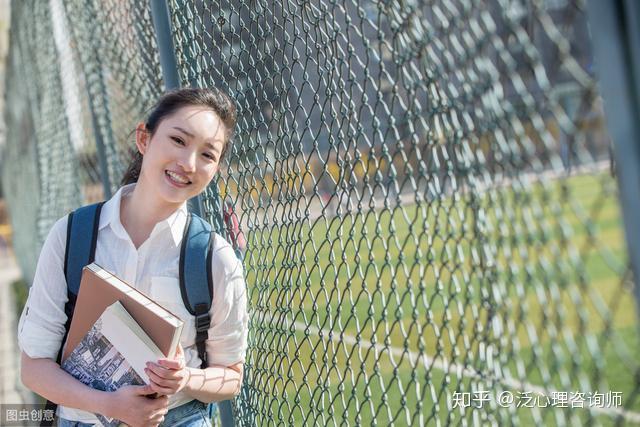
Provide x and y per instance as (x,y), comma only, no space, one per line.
(188,161)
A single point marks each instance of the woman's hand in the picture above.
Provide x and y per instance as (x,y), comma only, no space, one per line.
(131,405)
(168,376)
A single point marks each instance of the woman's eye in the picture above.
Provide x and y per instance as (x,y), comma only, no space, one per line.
(209,156)
(177,140)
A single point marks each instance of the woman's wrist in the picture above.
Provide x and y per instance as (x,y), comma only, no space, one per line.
(214,383)
(103,402)
(191,374)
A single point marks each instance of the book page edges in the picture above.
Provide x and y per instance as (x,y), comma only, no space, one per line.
(176,341)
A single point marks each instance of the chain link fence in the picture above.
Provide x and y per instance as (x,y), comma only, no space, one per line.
(425,191)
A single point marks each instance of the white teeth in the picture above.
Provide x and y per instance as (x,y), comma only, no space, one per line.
(177,177)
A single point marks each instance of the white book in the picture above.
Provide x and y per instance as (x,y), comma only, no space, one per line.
(126,335)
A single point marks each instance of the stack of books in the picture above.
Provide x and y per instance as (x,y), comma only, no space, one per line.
(115,330)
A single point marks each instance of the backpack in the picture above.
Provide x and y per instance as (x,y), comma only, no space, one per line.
(194,270)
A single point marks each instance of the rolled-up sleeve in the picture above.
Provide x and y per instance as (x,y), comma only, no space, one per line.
(227,341)
(41,326)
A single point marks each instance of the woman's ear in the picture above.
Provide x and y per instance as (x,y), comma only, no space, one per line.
(142,138)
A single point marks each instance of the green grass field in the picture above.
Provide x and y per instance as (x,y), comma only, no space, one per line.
(333,299)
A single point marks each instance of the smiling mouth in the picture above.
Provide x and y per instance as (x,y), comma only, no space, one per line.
(178,179)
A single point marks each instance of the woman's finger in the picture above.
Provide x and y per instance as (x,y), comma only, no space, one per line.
(162,372)
(163,382)
(175,364)
(162,390)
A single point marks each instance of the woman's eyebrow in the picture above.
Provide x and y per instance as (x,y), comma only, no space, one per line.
(189,134)
(209,145)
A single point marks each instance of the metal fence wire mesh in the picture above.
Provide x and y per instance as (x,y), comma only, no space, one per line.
(425,192)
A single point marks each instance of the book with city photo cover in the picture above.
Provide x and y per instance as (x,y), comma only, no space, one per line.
(112,354)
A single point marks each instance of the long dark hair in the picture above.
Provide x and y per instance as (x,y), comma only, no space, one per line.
(210,97)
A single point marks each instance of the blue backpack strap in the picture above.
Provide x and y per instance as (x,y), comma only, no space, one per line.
(195,273)
(82,236)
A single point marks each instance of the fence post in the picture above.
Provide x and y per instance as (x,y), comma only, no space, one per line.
(616,44)
(168,63)
(171,77)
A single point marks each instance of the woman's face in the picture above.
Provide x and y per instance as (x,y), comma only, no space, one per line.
(183,154)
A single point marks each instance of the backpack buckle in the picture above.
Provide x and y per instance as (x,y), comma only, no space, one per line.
(203,321)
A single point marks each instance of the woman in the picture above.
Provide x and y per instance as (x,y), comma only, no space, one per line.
(179,150)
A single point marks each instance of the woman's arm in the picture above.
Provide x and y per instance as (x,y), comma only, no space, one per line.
(128,404)
(214,383)
(46,378)
(226,343)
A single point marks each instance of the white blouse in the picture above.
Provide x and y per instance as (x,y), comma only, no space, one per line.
(152,269)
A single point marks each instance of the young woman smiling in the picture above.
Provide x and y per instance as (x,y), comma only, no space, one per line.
(179,150)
